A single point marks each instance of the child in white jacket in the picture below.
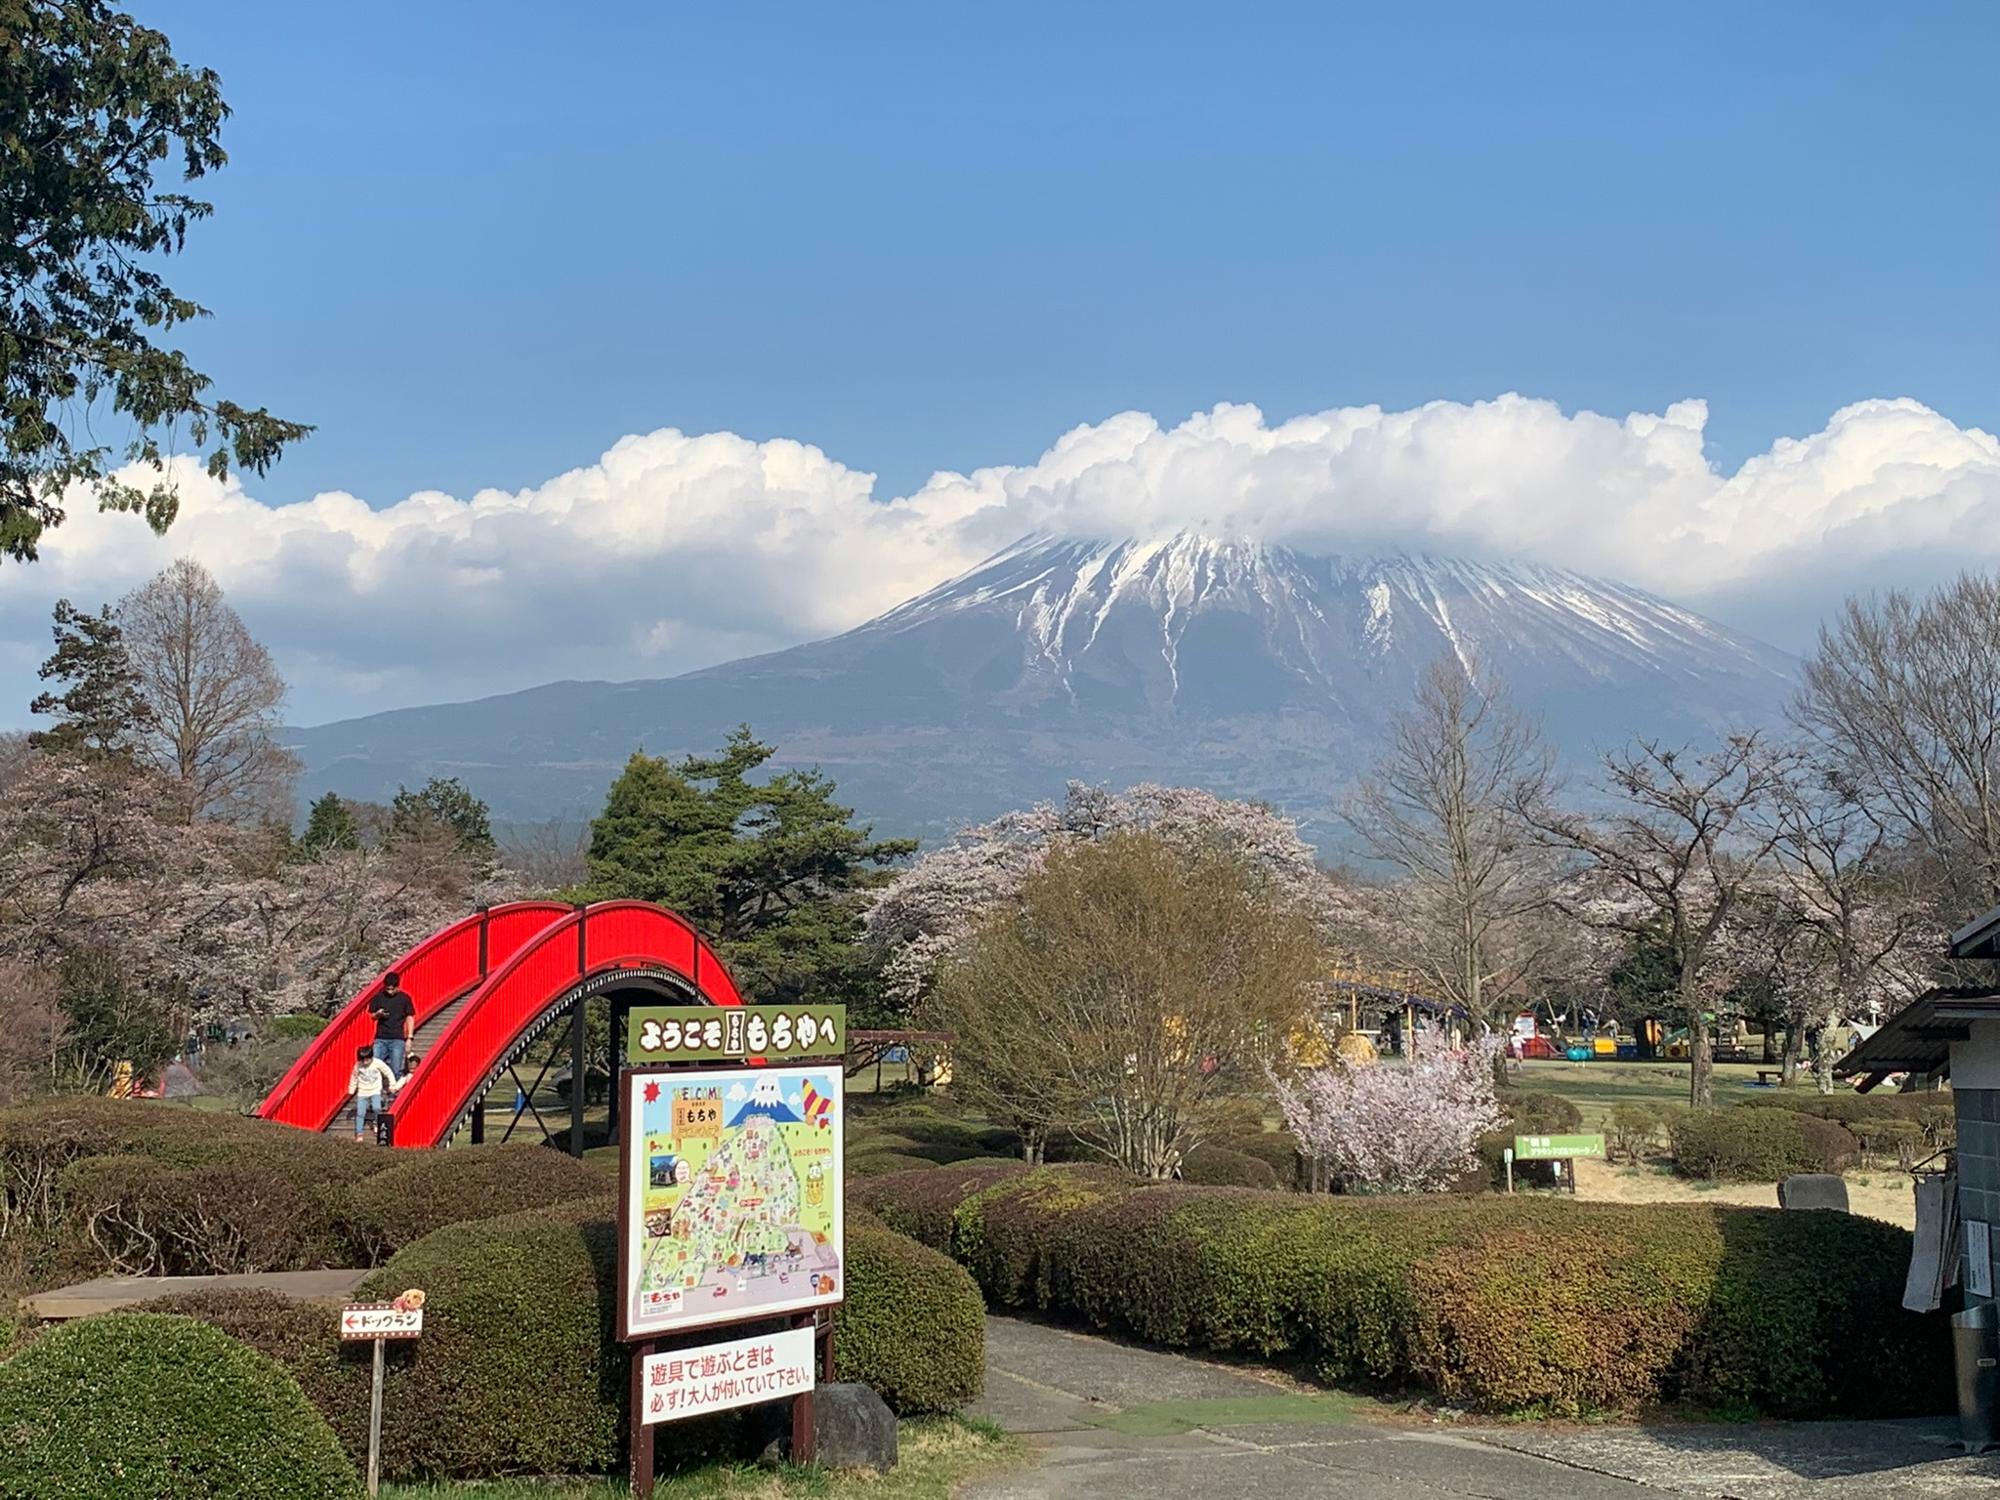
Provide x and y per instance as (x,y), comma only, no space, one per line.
(371,1078)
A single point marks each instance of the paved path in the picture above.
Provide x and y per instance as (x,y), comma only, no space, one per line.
(1111,1422)
(115,1293)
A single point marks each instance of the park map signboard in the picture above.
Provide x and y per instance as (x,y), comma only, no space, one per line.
(733,1195)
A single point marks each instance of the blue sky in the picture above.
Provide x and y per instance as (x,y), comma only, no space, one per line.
(477,243)
(1738,261)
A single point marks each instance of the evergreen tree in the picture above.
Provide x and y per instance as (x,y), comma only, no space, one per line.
(330,826)
(100,710)
(443,802)
(100,127)
(771,871)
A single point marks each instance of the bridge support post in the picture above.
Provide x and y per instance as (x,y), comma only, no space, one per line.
(479,1119)
(578,1085)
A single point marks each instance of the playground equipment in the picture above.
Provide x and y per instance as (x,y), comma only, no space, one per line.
(486,989)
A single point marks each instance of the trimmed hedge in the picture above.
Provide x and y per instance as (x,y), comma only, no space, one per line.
(913,1327)
(876,1163)
(1534,1112)
(303,1337)
(149,1218)
(147,1407)
(1511,1304)
(1223,1166)
(38,1141)
(1279,1149)
(517,1371)
(426,1190)
(1758,1145)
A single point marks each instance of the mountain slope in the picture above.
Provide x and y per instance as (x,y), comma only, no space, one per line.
(1254,670)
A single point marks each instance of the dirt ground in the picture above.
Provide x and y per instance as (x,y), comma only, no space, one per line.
(1879,1194)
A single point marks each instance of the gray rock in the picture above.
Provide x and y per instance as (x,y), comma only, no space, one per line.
(1812,1190)
(853,1428)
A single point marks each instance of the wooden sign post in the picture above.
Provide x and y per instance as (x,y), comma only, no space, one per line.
(381,1321)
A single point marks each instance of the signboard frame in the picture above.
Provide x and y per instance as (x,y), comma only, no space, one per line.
(733,1033)
(819,1318)
(634,1179)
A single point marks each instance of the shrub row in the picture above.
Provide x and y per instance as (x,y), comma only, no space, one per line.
(157,1189)
(147,1407)
(1505,1304)
(518,1371)
(1758,1145)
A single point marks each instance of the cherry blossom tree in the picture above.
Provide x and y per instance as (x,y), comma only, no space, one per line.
(926,914)
(1394,1127)
(1681,840)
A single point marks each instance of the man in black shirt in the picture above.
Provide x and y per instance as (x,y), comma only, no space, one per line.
(395,1021)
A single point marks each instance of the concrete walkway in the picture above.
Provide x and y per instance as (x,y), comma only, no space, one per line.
(116,1293)
(1112,1422)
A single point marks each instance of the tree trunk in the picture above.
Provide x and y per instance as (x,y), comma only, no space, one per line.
(1795,1036)
(1701,1059)
(1823,1056)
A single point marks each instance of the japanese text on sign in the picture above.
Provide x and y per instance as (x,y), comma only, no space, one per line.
(715,1377)
(705,1033)
(699,1114)
(1557,1147)
(380,1320)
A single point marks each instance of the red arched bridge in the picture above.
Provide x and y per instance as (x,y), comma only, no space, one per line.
(486,989)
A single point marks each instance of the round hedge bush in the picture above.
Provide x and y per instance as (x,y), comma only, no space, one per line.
(1223,1166)
(913,1327)
(303,1337)
(876,1163)
(148,1407)
(1533,1112)
(426,1190)
(1758,1145)
(1278,1148)
(517,1371)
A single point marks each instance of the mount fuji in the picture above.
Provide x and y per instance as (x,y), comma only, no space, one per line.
(1252,669)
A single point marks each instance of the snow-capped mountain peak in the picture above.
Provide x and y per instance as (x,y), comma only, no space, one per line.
(1328,622)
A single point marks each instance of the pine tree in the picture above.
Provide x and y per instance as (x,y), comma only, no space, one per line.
(444,802)
(772,871)
(330,826)
(101,711)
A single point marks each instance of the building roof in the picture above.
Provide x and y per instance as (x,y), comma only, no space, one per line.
(1918,1038)
(1979,938)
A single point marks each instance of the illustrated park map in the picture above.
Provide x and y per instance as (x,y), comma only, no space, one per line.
(736,1194)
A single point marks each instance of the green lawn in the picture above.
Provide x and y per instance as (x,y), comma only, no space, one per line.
(1595,1086)
(937,1455)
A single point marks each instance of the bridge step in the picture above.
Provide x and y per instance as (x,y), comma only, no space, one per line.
(426,1038)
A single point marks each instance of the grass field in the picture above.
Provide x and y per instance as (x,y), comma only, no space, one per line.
(937,1456)
(1595,1086)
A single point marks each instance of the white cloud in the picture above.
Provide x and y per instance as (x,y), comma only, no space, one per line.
(673,551)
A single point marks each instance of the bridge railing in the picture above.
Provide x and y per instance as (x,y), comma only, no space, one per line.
(608,936)
(435,972)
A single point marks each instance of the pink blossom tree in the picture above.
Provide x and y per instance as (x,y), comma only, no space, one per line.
(927,913)
(1394,1127)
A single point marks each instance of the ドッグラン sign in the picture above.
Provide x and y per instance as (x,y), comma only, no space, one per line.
(733,1195)
(721,1033)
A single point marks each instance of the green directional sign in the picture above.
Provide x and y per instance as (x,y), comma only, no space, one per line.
(1557,1147)
(723,1033)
